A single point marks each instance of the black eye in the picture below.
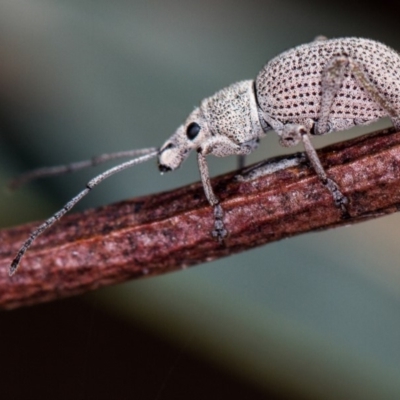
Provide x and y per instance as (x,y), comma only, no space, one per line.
(192,130)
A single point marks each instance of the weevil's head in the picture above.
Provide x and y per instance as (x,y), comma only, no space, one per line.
(187,137)
(221,124)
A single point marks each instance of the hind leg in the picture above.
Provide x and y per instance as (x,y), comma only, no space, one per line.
(331,82)
(290,135)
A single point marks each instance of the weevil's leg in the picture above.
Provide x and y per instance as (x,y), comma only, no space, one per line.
(331,81)
(241,161)
(75,166)
(219,231)
(219,146)
(89,186)
(340,199)
(249,146)
(290,135)
(244,149)
(268,167)
(369,87)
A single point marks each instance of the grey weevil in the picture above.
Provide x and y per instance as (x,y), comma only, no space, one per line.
(313,89)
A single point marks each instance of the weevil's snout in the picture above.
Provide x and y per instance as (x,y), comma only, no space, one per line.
(173,152)
(164,168)
(165,157)
(189,136)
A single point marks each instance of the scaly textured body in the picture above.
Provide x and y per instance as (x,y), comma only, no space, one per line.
(289,86)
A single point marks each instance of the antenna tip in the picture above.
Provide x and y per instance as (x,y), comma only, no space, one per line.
(13,268)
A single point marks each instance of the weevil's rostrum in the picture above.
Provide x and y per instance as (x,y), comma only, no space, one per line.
(316,88)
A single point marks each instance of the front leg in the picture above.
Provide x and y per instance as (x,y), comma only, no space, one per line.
(219,231)
(219,146)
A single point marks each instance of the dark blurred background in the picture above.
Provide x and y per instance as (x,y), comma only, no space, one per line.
(313,317)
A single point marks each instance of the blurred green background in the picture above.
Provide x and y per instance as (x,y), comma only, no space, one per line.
(313,317)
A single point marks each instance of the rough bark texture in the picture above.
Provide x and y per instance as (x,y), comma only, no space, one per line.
(169,231)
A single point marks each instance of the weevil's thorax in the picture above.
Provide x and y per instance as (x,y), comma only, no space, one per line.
(233,112)
(289,86)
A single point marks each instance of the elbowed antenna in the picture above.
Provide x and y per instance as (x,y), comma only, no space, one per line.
(148,154)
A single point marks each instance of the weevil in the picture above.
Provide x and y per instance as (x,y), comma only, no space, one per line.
(324,86)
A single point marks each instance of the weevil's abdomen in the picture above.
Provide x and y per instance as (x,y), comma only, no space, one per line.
(289,86)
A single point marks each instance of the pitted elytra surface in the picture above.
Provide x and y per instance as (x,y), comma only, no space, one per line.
(289,86)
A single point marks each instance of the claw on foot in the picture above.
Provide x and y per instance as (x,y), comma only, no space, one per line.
(341,201)
(219,232)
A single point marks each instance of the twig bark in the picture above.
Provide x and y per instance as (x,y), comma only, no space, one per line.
(160,233)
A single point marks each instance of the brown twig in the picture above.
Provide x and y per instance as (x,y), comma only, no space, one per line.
(168,231)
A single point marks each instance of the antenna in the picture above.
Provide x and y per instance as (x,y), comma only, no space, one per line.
(51,171)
